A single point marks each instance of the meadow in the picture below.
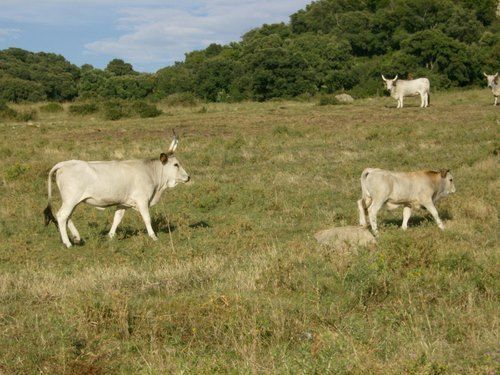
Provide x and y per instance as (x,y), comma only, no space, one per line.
(237,283)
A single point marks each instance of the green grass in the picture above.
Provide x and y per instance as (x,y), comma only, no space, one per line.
(239,284)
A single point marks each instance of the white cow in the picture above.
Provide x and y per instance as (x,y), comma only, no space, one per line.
(494,84)
(400,88)
(408,189)
(136,184)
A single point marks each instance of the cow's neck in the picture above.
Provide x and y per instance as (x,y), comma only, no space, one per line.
(159,181)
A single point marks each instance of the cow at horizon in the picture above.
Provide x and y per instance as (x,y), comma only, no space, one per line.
(124,184)
(494,84)
(399,88)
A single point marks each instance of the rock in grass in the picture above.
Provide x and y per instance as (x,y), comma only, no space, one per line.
(344,98)
(345,236)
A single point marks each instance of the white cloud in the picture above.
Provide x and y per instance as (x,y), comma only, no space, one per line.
(162,34)
(6,33)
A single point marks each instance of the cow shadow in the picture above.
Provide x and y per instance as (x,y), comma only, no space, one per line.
(418,220)
(200,224)
(159,223)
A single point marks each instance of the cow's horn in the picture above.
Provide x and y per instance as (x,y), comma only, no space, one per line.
(174,143)
(395,78)
(383,78)
(486,75)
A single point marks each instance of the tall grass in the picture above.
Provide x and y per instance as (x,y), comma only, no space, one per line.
(242,286)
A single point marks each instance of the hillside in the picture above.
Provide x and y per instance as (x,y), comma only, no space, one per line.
(330,46)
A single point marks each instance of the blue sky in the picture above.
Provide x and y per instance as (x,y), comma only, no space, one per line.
(149,34)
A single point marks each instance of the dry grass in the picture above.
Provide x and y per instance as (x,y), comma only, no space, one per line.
(245,288)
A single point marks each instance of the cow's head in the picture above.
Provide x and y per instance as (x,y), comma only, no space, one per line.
(390,83)
(492,79)
(447,185)
(173,173)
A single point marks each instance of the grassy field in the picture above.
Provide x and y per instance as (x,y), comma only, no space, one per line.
(238,284)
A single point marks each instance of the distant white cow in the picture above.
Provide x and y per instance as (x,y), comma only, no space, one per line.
(408,189)
(494,84)
(136,184)
(400,88)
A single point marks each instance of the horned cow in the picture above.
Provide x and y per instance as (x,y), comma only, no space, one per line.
(136,184)
(408,189)
(400,88)
(494,84)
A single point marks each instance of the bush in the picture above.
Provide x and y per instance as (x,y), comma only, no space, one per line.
(83,109)
(145,110)
(7,113)
(115,110)
(27,115)
(51,108)
(14,171)
(328,100)
(182,99)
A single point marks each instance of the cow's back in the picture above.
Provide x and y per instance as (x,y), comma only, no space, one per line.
(398,187)
(105,183)
(415,86)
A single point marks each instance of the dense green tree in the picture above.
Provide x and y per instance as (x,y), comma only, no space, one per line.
(118,67)
(329,46)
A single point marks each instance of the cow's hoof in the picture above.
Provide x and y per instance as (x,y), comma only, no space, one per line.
(79,242)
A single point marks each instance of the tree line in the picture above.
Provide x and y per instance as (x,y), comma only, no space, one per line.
(330,46)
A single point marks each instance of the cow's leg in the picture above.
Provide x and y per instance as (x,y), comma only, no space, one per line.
(432,209)
(401,102)
(406,217)
(144,210)
(74,232)
(496,99)
(422,100)
(116,221)
(63,216)
(362,214)
(372,215)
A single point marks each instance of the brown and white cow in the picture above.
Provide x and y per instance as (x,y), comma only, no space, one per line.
(408,189)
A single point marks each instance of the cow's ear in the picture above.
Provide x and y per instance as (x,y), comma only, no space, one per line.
(444,172)
(163,158)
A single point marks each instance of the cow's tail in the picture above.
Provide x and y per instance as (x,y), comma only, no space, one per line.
(428,98)
(47,213)
(366,197)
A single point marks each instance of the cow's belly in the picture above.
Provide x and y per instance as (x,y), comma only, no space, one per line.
(102,203)
(392,204)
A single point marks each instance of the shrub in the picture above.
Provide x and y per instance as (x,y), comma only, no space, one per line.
(328,100)
(14,171)
(145,110)
(182,99)
(7,113)
(115,110)
(83,109)
(27,115)
(51,108)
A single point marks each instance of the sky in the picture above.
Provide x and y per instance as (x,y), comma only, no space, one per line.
(149,34)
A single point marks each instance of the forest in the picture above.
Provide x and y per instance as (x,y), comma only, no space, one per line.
(330,46)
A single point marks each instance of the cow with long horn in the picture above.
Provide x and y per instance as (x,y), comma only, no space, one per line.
(494,84)
(400,88)
(123,184)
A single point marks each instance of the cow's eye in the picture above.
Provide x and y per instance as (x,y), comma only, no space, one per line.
(176,165)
